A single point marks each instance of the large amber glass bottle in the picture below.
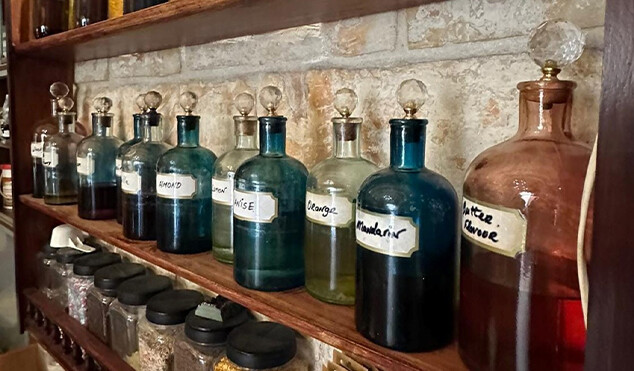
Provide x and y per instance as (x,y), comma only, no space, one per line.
(520,306)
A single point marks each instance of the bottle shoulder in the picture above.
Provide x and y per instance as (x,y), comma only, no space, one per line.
(60,139)
(339,175)
(183,159)
(263,168)
(125,146)
(146,152)
(230,161)
(98,144)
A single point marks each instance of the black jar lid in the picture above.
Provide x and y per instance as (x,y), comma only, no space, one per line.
(68,255)
(89,264)
(261,345)
(171,307)
(138,290)
(48,252)
(109,278)
(210,331)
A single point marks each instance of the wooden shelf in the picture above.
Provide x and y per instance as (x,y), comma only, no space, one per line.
(192,22)
(328,323)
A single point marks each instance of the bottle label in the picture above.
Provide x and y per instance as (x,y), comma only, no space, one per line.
(496,228)
(130,182)
(387,234)
(329,210)
(118,163)
(85,166)
(50,158)
(258,207)
(222,190)
(36,149)
(176,186)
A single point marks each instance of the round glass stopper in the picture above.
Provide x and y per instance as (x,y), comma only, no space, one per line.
(556,44)
(270,98)
(244,103)
(140,102)
(58,90)
(65,104)
(345,101)
(153,99)
(102,104)
(411,95)
(188,101)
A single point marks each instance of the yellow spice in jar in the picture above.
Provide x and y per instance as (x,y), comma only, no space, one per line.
(225,365)
(115,8)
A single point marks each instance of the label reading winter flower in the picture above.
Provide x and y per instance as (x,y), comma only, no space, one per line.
(258,207)
(37,149)
(130,182)
(176,186)
(330,210)
(85,165)
(222,190)
(387,234)
(50,158)
(499,229)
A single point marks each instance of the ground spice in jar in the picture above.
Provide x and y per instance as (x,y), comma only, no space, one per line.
(62,270)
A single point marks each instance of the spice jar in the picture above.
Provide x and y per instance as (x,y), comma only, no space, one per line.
(82,279)
(103,292)
(164,317)
(62,269)
(125,311)
(261,346)
(205,335)
(45,260)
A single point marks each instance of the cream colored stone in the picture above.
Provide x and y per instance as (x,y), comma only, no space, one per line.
(363,35)
(88,71)
(161,63)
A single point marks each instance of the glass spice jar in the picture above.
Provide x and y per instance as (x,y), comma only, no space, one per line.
(261,346)
(82,279)
(46,259)
(206,330)
(90,11)
(125,311)
(103,292)
(62,269)
(164,318)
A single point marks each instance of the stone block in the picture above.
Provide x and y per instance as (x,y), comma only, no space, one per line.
(90,71)
(153,64)
(364,35)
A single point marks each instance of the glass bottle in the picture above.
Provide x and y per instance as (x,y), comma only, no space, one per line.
(96,166)
(269,197)
(224,171)
(115,8)
(59,158)
(183,188)
(138,175)
(49,17)
(90,11)
(123,149)
(331,193)
(406,231)
(521,211)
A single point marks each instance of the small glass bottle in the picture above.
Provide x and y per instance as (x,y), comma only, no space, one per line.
(59,158)
(521,209)
(115,8)
(138,175)
(269,197)
(123,149)
(96,166)
(406,231)
(164,317)
(90,11)
(183,188)
(331,194)
(224,171)
(62,269)
(49,17)
(125,311)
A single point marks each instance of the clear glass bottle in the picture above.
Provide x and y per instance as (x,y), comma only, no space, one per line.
(406,231)
(96,166)
(331,194)
(127,309)
(164,318)
(224,171)
(183,188)
(90,11)
(103,293)
(62,269)
(59,158)
(269,197)
(521,210)
(138,175)
(49,17)
(123,149)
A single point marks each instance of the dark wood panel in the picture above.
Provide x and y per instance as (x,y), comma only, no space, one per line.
(328,323)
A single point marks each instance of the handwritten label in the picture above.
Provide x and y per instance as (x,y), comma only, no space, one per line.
(85,165)
(330,210)
(258,207)
(50,158)
(118,165)
(130,182)
(499,229)
(36,149)
(222,190)
(176,186)
(386,234)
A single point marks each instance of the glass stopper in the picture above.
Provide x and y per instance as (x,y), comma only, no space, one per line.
(554,45)
(58,90)
(102,104)
(345,101)
(244,103)
(411,95)
(270,98)
(140,102)
(65,104)
(188,101)
(153,99)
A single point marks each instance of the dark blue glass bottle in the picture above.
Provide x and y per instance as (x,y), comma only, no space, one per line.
(406,230)
(268,209)
(183,189)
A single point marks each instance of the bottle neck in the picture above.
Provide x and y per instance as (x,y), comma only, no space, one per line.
(245,129)
(545,109)
(152,128)
(66,121)
(188,131)
(101,125)
(273,136)
(53,107)
(346,140)
(138,129)
(244,141)
(407,144)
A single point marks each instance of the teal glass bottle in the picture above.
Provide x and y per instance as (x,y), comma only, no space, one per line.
(124,147)
(331,194)
(96,156)
(224,172)
(183,188)
(407,241)
(59,158)
(138,175)
(268,209)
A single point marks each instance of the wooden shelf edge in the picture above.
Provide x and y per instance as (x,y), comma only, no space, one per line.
(328,323)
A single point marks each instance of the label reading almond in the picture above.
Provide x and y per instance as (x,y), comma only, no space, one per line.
(176,186)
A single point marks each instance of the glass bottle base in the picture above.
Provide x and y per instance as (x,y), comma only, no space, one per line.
(223,254)
(320,290)
(278,280)
(60,200)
